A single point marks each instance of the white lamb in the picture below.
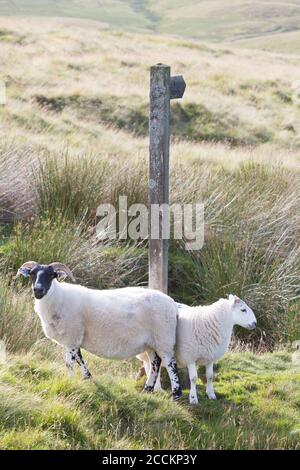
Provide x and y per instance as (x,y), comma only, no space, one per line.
(117,323)
(203,336)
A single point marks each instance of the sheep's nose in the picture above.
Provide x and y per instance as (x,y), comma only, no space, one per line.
(253,325)
(39,291)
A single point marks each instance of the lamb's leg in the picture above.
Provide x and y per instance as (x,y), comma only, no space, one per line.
(193,379)
(155,362)
(79,359)
(171,366)
(209,382)
(70,361)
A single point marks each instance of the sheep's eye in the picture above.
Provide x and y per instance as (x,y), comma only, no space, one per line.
(243,310)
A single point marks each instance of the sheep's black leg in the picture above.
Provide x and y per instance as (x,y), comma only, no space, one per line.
(155,361)
(171,367)
(79,359)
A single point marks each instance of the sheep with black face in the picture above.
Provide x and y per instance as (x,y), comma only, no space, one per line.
(116,323)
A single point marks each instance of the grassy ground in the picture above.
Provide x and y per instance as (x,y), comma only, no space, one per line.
(257,407)
(266,21)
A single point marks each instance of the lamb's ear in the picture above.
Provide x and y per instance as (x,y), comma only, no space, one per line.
(234,299)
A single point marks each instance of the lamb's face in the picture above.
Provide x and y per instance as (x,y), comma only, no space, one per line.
(42,277)
(242,313)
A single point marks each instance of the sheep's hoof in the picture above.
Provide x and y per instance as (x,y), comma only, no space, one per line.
(158,389)
(87,377)
(148,389)
(212,396)
(176,395)
(193,401)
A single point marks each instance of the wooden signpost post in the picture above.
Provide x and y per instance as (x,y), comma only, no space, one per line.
(163,88)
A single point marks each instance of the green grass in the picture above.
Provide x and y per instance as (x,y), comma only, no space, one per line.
(117,14)
(40,408)
(260,24)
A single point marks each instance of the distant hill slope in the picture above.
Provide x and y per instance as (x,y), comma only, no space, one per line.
(264,22)
(71,80)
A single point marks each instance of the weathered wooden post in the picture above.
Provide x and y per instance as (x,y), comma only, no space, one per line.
(163,88)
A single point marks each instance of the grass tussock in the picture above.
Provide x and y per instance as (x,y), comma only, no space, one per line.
(19,325)
(69,187)
(16,195)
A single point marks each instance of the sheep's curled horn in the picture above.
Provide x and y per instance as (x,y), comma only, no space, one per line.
(60,267)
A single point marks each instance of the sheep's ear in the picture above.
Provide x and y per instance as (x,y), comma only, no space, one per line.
(234,299)
(23,272)
(26,268)
(61,274)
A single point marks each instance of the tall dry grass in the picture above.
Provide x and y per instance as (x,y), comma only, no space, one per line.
(16,195)
(19,325)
